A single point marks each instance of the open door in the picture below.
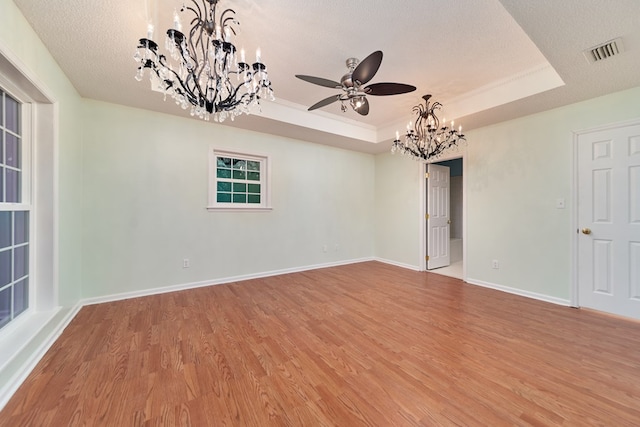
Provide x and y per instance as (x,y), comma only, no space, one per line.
(438,216)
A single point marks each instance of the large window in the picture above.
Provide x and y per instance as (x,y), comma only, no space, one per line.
(238,181)
(14,211)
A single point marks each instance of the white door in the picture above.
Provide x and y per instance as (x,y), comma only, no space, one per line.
(609,220)
(438,218)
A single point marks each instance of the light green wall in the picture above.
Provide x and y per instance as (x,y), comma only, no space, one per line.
(397,209)
(515,172)
(18,40)
(145,177)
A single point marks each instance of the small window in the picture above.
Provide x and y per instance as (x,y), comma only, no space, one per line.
(238,181)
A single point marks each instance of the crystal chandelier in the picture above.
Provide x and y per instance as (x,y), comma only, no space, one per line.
(427,140)
(202,70)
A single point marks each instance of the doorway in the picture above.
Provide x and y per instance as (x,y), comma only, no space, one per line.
(456,217)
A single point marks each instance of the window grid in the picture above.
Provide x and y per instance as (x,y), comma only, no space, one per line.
(14,264)
(14,215)
(238,181)
(10,150)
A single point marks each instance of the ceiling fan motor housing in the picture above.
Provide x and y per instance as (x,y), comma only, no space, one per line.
(346,81)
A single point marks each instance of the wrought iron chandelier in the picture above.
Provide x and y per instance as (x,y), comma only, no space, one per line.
(427,140)
(204,70)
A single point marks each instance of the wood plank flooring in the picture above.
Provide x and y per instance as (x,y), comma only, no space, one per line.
(362,344)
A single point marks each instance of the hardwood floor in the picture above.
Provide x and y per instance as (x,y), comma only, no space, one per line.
(363,344)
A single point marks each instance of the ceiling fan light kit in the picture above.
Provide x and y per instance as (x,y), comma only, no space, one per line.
(203,69)
(351,84)
(427,140)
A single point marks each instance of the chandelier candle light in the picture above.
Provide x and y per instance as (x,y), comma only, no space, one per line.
(427,140)
(205,72)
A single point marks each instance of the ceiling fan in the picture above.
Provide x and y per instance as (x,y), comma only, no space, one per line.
(360,72)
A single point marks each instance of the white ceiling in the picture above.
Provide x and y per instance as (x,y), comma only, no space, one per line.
(485,60)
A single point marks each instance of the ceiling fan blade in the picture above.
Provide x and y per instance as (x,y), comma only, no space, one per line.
(363,110)
(382,89)
(326,101)
(367,68)
(320,81)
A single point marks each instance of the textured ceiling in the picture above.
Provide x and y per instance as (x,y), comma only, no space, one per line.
(464,52)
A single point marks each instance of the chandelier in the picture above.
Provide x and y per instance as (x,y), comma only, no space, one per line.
(202,70)
(427,140)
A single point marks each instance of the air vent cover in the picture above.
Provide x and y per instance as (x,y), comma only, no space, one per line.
(604,51)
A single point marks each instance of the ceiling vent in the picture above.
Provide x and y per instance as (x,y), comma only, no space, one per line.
(604,51)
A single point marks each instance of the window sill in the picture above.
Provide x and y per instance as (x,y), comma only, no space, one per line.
(238,209)
(16,336)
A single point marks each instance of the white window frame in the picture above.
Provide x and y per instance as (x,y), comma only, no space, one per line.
(24,340)
(25,204)
(265,182)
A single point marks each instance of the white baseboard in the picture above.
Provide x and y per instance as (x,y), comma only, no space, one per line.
(212,282)
(520,292)
(398,264)
(8,389)
(515,291)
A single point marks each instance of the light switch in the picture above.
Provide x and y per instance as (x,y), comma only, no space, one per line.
(560,203)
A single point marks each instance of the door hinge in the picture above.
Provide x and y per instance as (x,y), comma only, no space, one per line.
(427,257)
(426,216)
(426,175)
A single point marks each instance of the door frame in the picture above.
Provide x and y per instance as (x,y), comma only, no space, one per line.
(423,210)
(574,299)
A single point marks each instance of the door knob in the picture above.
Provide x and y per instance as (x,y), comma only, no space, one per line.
(586,231)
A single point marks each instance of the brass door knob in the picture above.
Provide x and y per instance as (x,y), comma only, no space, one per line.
(586,231)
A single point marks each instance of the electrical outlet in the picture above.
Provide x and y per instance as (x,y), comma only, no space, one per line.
(495,264)
(324,248)
(337,247)
(186,263)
